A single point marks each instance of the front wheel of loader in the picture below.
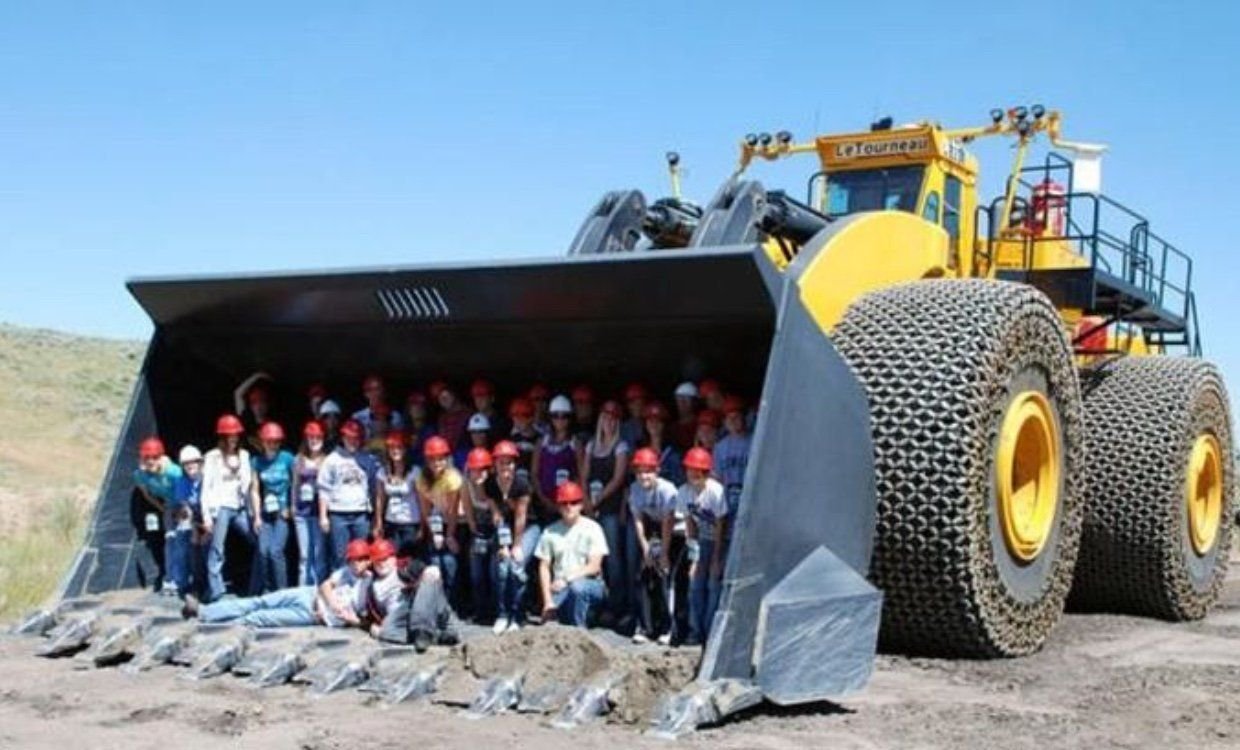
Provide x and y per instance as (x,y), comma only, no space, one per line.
(976,420)
(1158,520)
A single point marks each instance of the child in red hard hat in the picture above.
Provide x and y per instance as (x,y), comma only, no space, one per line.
(346,491)
(440,490)
(156,479)
(227,481)
(701,501)
(570,553)
(516,535)
(271,506)
(398,511)
(311,550)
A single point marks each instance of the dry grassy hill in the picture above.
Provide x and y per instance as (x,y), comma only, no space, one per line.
(62,399)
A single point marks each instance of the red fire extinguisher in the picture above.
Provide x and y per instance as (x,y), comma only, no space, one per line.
(1048,209)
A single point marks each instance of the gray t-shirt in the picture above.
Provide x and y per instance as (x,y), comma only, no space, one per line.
(653,504)
(568,548)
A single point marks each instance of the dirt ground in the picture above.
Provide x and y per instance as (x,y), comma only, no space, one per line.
(1102,681)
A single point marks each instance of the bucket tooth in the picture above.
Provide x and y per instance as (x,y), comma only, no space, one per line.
(498,695)
(700,704)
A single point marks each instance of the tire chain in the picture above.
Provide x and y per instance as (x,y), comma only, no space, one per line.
(1142,415)
(935,358)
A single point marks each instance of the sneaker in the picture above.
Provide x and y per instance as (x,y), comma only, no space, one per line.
(640,637)
(501,625)
(665,639)
(514,627)
(422,640)
(189,609)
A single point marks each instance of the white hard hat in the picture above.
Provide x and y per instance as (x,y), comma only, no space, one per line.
(687,389)
(329,407)
(479,423)
(189,454)
(560,405)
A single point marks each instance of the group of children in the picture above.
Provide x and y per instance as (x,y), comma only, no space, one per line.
(619,514)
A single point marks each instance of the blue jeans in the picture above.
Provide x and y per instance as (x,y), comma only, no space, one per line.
(480,564)
(311,555)
(615,567)
(177,558)
(227,520)
(272,540)
(574,601)
(286,608)
(345,527)
(448,566)
(404,536)
(509,578)
(703,593)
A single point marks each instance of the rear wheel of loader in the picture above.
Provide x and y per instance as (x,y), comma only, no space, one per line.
(1158,518)
(975,412)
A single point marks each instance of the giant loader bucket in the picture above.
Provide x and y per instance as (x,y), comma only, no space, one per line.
(797,617)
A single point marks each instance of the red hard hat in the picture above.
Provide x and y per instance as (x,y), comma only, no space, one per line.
(698,458)
(436,447)
(655,411)
(634,390)
(612,408)
(358,549)
(229,424)
(436,388)
(415,397)
(539,392)
(318,390)
(520,407)
(381,550)
(481,388)
(506,449)
(395,438)
(372,381)
(271,431)
(351,428)
(583,393)
(645,458)
(152,447)
(733,405)
(569,492)
(708,418)
(708,387)
(313,428)
(478,458)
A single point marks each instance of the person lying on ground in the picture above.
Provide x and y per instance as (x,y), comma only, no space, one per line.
(338,602)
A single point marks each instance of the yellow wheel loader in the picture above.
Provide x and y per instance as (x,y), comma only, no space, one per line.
(970,411)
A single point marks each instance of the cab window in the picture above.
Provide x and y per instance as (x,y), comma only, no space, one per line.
(951,207)
(891,188)
(931,210)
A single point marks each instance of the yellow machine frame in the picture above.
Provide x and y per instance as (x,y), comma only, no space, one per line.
(900,246)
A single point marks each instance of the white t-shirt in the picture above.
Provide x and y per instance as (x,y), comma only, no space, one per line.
(225,485)
(705,507)
(344,483)
(350,590)
(568,548)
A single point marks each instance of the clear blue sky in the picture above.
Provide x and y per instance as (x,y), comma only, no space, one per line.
(170,138)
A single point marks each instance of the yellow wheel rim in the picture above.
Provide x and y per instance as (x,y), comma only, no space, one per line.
(1027,475)
(1203,486)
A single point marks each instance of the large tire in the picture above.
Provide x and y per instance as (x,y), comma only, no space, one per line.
(941,361)
(1143,415)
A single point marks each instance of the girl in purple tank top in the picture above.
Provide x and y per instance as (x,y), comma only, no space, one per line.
(556,459)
